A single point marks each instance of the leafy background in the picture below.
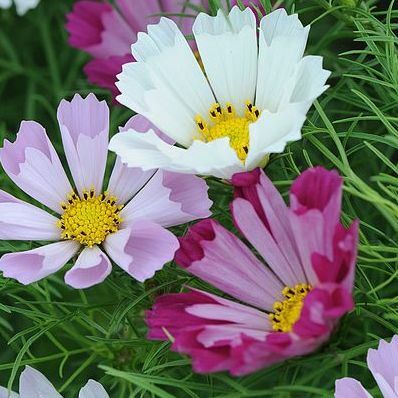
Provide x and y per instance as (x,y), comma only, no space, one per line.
(99,333)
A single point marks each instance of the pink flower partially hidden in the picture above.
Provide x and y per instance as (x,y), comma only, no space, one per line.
(383,364)
(128,219)
(285,309)
(106,31)
(33,384)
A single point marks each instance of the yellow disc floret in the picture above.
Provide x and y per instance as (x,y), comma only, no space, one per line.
(88,220)
(287,312)
(225,122)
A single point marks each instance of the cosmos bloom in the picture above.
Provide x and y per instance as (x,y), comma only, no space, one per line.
(382,362)
(106,31)
(128,218)
(284,309)
(33,384)
(249,103)
(22,6)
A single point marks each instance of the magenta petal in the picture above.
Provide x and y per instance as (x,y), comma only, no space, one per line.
(103,71)
(169,199)
(84,124)
(91,268)
(84,23)
(32,265)
(32,163)
(318,188)
(226,263)
(142,249)
(350,388)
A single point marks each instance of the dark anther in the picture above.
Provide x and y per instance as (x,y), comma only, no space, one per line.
(246,149)
(250,107)
(229,109)
(200,124)
(85,196)
(219,109)
(83,233)
(257,113)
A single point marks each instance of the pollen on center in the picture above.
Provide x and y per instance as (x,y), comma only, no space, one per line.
(88,220)
(225,122)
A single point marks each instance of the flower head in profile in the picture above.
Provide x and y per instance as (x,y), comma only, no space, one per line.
(127,219)
(33,384)
(106,31)
(284,309)
(22,6)
(382,362)
(250,100)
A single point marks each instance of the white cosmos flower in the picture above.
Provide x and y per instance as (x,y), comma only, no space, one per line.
(32,384)
(251,100)
(22,5)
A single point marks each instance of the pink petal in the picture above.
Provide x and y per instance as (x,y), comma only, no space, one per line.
(347,387)
(255,232)
(32,384)
(23,221)
(84,124)
(84,23)
(170,199)
(102,71)
(142,249)
(32,163)
(91,268)
(32,265)
(215,255)
(382,362)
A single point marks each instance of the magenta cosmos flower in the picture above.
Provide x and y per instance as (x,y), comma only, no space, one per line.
(287,308)
(106,31)
(128,218)
(384,367)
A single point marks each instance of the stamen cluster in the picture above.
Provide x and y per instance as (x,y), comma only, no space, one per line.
(287,312)
(90,219)
(226,123)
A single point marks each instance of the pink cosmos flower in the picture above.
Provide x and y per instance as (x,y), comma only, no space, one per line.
(128,218)
(33,384)
(383,364)
(286,309)
(106,31)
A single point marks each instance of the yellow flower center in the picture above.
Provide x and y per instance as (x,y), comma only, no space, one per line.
(90,219)
(287,312)
(224,122)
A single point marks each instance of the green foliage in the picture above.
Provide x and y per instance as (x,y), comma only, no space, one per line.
(99,333)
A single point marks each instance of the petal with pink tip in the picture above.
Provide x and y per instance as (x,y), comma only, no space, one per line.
(84,124)
(215,255)
(142,249)
(32,163)
(91,268)
(348,387)
(32,384)
(23,221)
(170,199)
(32,265)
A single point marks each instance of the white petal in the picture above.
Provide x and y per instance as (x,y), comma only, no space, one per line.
(228,48)
(25,5)
(148,151)
(33,384)
(282,43)
(93,390)
(3,391)
(271,133)
(166,85)
(5,3)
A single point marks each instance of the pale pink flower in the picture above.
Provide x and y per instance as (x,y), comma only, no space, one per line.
(127,220)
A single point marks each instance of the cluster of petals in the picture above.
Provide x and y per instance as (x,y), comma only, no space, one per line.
(301,244)
(242,67)
(22,6)
(33,384)
(151,201)
(383,364)
(106,31)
